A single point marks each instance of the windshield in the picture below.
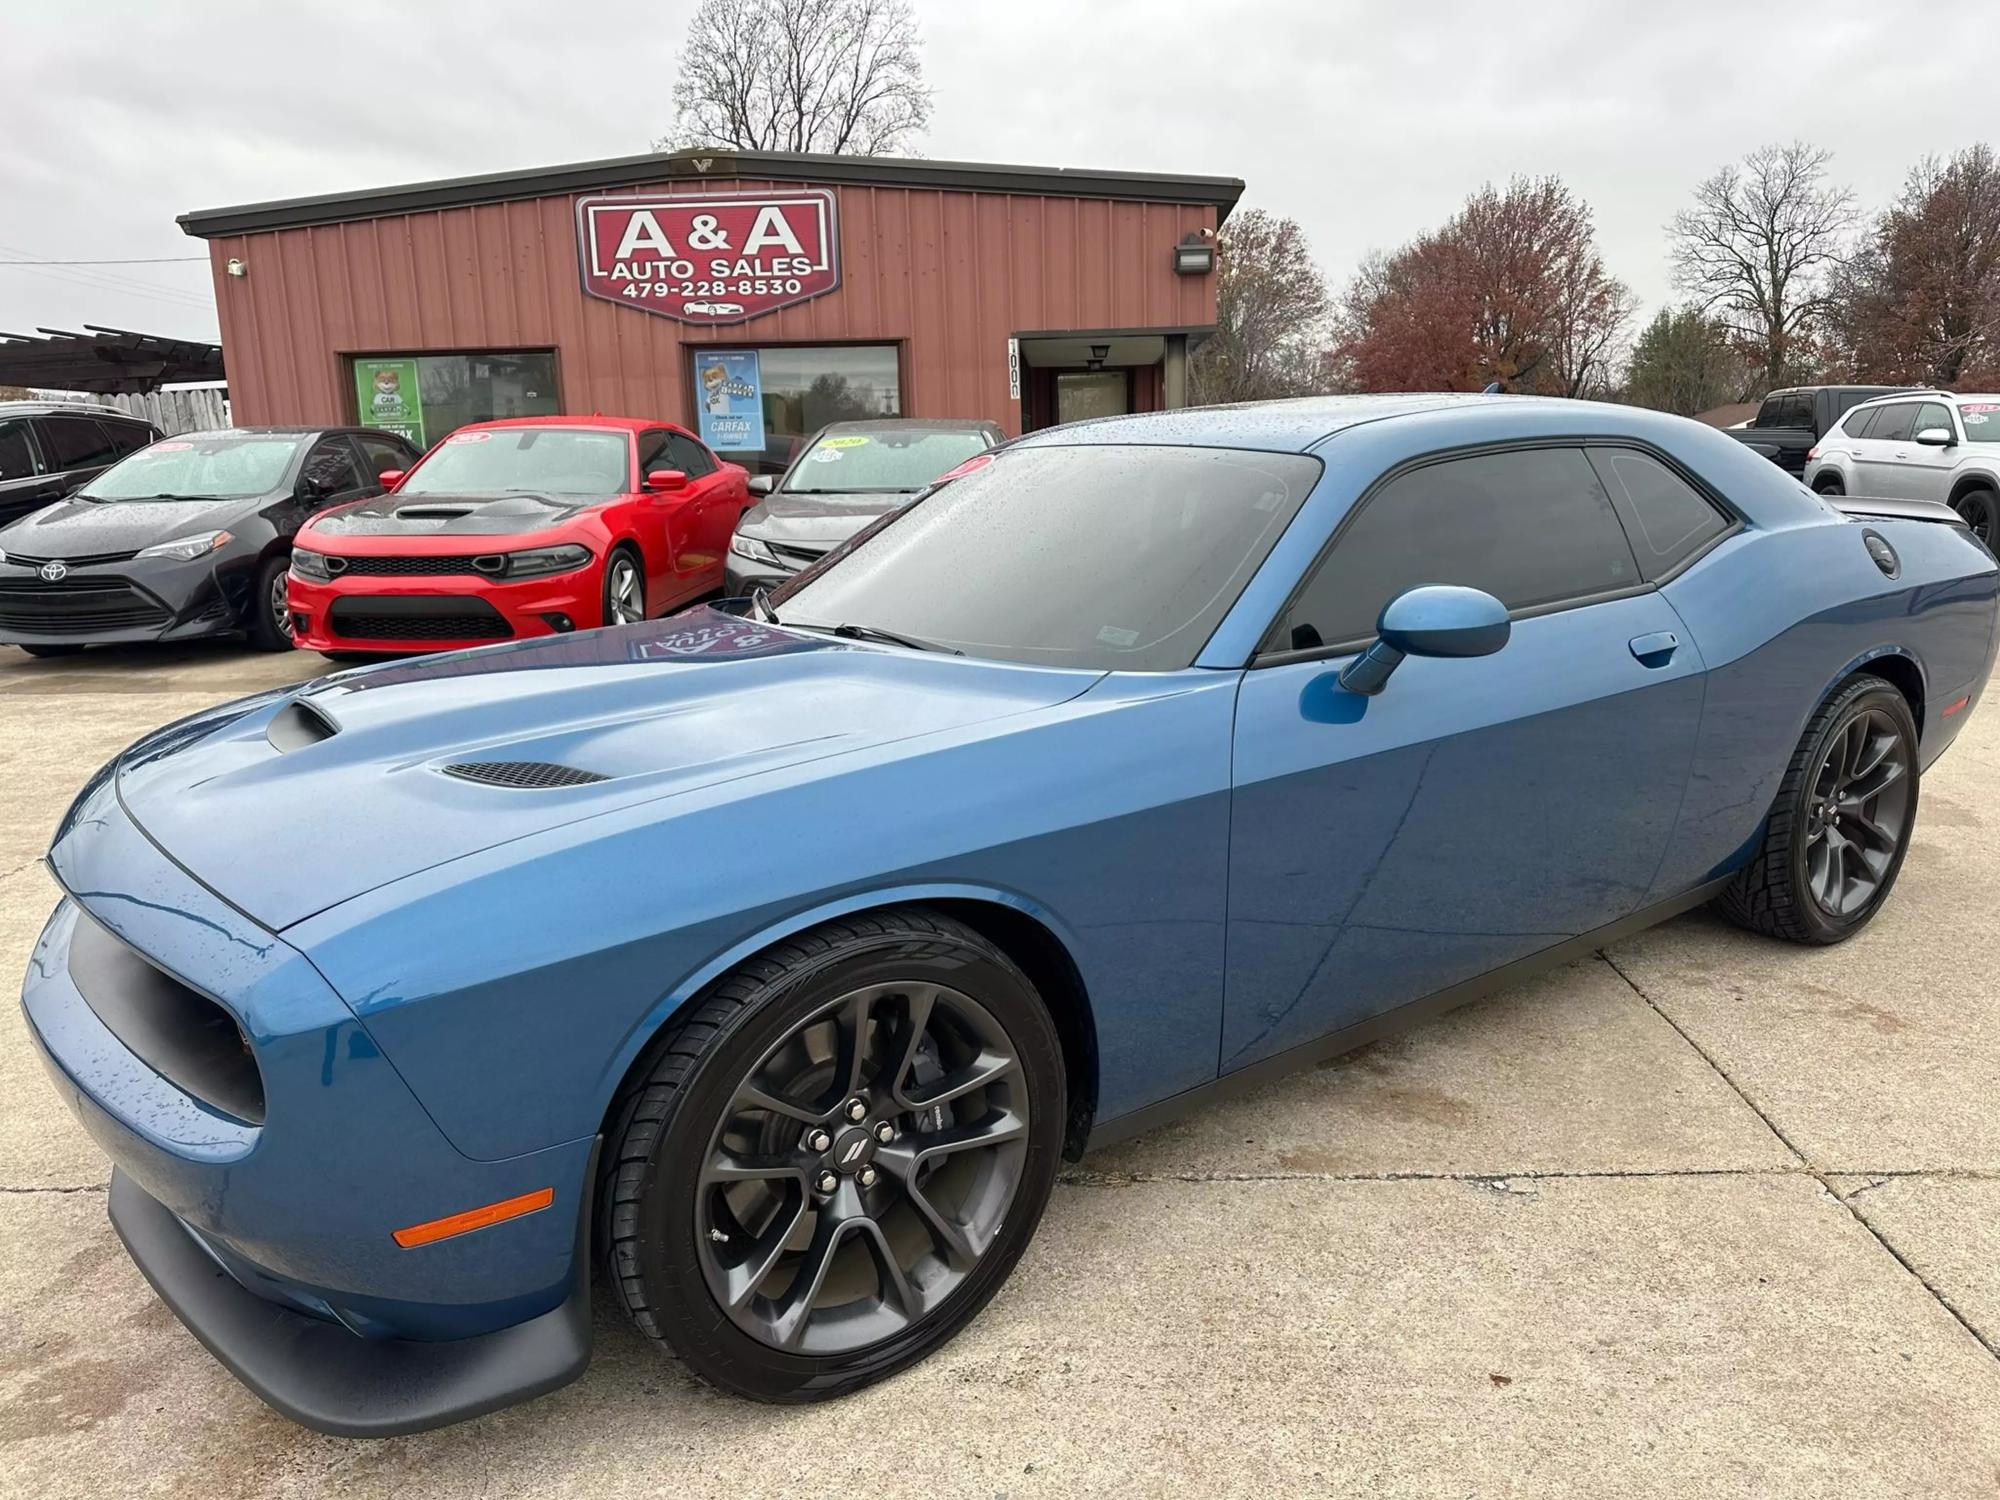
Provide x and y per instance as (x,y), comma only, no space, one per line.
(1112,558)
(219,467)
(853,463)
(1982,421)
(533,460)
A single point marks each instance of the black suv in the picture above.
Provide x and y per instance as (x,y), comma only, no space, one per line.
(49,449)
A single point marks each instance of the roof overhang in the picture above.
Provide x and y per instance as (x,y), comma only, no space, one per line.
(652,168)
(105,361)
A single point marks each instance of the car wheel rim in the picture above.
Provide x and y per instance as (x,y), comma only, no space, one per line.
(1858,813)
(625,606)
(1980,517)
(281,612)
(862,1169)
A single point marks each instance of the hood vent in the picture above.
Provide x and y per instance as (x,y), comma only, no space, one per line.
(433,512)
(527,775)
(298,725)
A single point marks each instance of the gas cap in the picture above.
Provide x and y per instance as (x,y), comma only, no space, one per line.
(1884,555)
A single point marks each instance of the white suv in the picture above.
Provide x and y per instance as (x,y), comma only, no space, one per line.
(1918,445)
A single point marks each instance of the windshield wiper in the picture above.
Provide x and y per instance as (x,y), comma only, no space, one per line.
(876,633)
(760,605)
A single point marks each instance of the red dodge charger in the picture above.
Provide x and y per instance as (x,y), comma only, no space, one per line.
(529,526)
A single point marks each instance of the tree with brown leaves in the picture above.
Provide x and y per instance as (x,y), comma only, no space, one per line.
(1758,250)
(1919,304)
(1510,289)
(801,75)
(1271,305)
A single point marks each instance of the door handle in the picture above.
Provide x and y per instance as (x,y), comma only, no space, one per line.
(1655,650)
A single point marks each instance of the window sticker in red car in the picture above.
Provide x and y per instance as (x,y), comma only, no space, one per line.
(172,447)
(468,437)
(972,465)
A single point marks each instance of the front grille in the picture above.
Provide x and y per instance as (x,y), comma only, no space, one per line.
(404,567)
(798,557)
(27,561)
(529,775)
(76,606)
(416,618)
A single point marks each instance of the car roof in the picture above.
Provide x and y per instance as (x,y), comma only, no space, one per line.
(904,424)
(592,423)
(1907,393)
(66,408)
(1294,425)
(272,431)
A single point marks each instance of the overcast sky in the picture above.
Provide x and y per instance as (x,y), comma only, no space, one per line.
(1367,122)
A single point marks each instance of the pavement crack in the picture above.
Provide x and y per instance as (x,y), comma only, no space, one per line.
(80,1187)
(1806,1163)
(1080,1177)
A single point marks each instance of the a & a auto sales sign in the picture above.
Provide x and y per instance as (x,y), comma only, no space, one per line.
(720,258)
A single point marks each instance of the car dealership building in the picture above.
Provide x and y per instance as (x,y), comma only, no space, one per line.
(752,296)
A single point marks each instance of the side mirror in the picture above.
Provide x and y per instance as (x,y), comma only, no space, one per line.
(763,484)
(1935,437)
(1438,620)
(391,477)
(665,481)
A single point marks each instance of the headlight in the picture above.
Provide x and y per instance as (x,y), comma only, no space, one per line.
(538,562)
(749,547)
(309,564)
(188,548)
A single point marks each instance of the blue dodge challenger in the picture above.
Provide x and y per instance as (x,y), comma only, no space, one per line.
(763,964)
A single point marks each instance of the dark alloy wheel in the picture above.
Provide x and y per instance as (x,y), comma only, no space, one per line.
(267,615)
(1837,835)
(1981,510)
(838,1158)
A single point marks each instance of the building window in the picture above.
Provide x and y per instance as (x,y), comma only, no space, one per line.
(758,407)
(425,397)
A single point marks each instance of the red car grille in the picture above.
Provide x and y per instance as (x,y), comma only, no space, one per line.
(402,618)
(402,567)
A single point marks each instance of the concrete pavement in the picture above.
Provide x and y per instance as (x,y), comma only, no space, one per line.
(1708,1215)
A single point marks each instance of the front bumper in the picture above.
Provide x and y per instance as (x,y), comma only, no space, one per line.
(331,616)
(140,599)
(270,1231)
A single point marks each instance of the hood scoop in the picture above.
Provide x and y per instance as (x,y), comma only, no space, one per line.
(298,725)
(525,775)
(433,512)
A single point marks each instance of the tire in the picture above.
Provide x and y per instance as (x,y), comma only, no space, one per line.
(48,651)
(676,1239)
(1829,484)
(1981,509)
(266,619)
(624,588)
(1814,883)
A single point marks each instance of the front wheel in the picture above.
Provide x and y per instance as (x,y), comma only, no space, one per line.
(1836,837)
(1981,512)
(624,590)
(267,618)
(833,1163)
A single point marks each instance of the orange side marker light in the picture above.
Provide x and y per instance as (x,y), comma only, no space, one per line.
(475,1218)
(1955,707)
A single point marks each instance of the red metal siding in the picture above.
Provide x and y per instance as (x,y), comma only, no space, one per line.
(949,275)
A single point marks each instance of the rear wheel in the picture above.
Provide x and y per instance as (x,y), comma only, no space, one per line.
(1981,510)
(1829,484)
(267,617)
(1837,835)
(837,1159)
(624,590)
(46,651)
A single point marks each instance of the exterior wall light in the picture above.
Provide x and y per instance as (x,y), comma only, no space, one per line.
(235,267)
(1194,256)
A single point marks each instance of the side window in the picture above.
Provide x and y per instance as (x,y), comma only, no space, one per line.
(75,443)
(1771,413)
(381,455)
(330,469)
(1934,414)
(128,437)
(1893,423)
(1857,422)
(1667,519)
(1530,527)
(1799,410)
(17,459)
(689,456)
(652,453)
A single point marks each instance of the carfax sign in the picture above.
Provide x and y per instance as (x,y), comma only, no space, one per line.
(730,399)
(718,258)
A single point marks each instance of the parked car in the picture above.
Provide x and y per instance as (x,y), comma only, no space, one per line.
(51,449)
(849,474)
(522,527)
(1931,445)
(188,537)
(771,962)
(1790,421)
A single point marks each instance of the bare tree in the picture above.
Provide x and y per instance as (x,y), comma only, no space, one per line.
(1758,248)
(801,75)
(1271,305)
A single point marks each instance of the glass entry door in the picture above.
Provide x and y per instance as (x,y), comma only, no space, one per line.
(1083,394)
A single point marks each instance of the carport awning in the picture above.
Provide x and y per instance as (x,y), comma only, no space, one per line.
(104,361)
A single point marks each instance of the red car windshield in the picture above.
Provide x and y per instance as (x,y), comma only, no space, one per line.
(524,460)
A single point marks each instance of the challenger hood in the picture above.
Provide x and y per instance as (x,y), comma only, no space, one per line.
(91,528)
(451,515)
(303,799)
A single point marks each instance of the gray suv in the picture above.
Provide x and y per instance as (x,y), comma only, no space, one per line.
(1920,445)
(50,449)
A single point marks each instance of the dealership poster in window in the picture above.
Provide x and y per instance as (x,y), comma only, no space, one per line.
(729,395)
(386,396)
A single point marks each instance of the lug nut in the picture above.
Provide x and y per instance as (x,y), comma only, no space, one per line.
(866,1176)
(826,1182)
(885,1132)
(818,1140)
(857,1110)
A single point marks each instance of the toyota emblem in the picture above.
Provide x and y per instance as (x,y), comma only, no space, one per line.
(54,572)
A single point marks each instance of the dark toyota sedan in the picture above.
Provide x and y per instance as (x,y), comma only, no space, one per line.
(189,537)
(849,474)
